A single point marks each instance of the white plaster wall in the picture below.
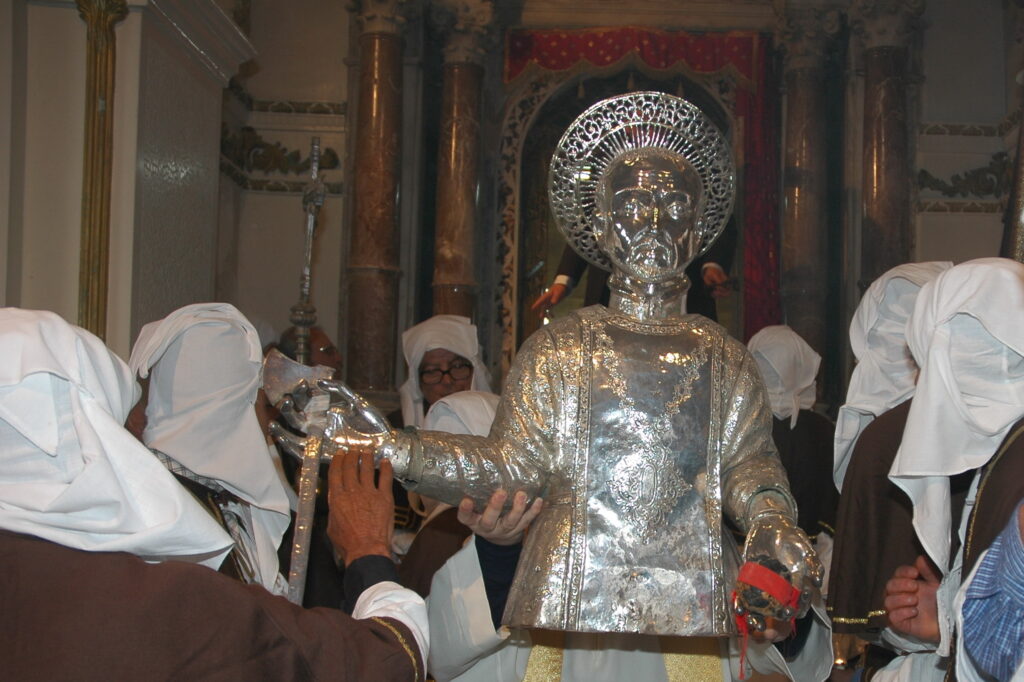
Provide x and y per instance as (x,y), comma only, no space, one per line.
(301,46)
(964,62)
(122,185)
(270,253)
(958,236)
(52,172)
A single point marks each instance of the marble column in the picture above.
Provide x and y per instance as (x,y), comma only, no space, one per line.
(465,25)
(100,17)
(803,34)
(885,27)
(373,252)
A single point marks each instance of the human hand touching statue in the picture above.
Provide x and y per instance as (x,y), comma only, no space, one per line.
(911,601)
(361,519)
(494,526)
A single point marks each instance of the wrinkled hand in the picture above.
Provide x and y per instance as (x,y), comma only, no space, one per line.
(344,418)
(498,528)
(911,602)
(550,298)
(715,280)
(362,513)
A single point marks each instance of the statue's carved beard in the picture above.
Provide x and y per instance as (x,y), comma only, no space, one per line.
(652,258)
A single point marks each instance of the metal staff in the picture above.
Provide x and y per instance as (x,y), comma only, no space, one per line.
(303,313)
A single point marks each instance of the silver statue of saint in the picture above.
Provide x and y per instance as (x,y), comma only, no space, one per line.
(642,427)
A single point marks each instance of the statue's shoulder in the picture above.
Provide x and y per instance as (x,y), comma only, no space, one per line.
(717,335)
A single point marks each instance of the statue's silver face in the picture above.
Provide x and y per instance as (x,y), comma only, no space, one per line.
(649,202)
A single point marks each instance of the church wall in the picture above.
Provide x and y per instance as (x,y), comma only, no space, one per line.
(294,89)
(961,132)
(51,168)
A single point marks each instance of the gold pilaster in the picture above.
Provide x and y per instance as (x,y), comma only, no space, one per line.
(100,17)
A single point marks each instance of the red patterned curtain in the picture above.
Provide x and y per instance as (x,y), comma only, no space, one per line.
(746,56)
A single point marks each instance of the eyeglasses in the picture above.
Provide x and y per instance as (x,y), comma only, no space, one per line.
(457,372)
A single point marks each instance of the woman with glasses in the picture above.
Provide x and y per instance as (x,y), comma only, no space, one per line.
(443,357)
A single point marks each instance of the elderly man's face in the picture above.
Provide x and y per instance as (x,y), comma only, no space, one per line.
(442,373)
(649,205)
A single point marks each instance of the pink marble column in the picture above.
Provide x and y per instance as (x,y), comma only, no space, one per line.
(804,36)
(458,152)
(885,26)
(373,256)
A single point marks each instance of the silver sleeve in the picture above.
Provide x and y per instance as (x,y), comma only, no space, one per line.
(519,453)
(752,474)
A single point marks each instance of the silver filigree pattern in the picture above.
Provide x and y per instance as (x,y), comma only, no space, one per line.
(636,121)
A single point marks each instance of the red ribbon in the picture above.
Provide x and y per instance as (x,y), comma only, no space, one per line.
(773,584)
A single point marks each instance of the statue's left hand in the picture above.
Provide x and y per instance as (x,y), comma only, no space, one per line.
(776,542)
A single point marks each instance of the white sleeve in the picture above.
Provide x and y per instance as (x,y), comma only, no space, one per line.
(390,600)
(460,617)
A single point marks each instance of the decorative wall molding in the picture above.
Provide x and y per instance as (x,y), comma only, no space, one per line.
(961,129)
(284,106)
(993,180)
(939,206)
(245,152)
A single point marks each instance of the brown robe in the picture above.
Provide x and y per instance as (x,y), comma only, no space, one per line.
(806,454)
(436,542)
(71,614)
(874,529)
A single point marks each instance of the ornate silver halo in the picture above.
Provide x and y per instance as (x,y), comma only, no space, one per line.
(625,123)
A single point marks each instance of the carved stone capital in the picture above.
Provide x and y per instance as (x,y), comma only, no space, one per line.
(804,33)
(886,23)
(379,16)
(466,25)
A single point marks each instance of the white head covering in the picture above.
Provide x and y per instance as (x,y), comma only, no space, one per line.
(465,412)
(788,366)
(69,471)
(450,332)
(885,373)
(967,334)
(205,361)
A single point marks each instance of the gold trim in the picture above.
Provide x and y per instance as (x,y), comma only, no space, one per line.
(405,645)
(99,16)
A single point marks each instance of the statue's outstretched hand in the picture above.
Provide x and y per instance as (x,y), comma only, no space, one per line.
(776,543)
(342,418)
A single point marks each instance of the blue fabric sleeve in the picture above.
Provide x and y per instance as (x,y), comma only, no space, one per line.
(993,610)
(498,566)
(365,572)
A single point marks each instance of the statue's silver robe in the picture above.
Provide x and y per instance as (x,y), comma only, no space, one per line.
(639,436)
